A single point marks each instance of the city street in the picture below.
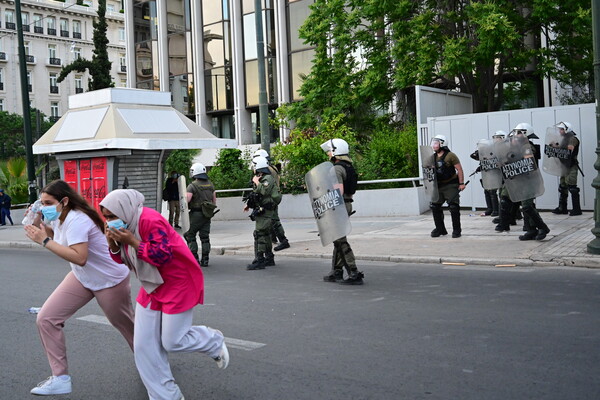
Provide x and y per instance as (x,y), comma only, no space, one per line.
(413,331)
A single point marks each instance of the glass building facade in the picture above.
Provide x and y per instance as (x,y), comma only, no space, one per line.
(204,53)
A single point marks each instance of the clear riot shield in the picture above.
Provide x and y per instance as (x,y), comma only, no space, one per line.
(327,203)
(429,175)
(522,177)
(184,212)
(491,176)
(556,153)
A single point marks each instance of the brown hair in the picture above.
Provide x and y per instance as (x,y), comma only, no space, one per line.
(60,189)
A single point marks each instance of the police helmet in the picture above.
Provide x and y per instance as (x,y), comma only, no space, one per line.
(198,171)
(499,135)
(260,164)
(440,138)
(566,126)
(338,147)
(261,153)
(526,129)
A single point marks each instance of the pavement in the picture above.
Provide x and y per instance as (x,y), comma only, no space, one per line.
(405,239)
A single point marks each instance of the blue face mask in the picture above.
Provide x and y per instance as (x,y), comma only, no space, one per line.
(50,213)
(117,224)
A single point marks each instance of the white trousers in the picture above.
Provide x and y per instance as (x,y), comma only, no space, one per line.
(155,335)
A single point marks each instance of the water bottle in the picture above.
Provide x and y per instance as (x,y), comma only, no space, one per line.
(31,213)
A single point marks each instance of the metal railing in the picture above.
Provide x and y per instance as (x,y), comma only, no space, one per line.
(376,181)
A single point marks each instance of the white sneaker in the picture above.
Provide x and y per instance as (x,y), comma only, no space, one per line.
(223,358)
(53,385)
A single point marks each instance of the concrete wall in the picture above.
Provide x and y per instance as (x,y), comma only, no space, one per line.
(367,203)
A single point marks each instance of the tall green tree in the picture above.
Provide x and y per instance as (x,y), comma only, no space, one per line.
(12,139)
(99,65)
(368,52)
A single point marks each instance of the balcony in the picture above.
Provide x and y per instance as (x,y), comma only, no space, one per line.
(54,89)
(30,59)
(54,61)
(11,25)
(64,33)
(78,90)
(123,68)
(54,118)
(52,31)
(38,29)
(2,56)
(76,35)
(146,71)
(25,28)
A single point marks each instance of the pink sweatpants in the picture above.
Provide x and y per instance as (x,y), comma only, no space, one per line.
(69,297)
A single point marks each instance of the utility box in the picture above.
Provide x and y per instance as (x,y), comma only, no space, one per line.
(119,138)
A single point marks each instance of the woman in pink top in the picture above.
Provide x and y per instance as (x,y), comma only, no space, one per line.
(172,284)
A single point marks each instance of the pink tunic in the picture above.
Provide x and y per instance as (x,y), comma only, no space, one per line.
(162,246)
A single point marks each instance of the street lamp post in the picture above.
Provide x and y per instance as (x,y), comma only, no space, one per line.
(263,107)
(26,113)
(594,246)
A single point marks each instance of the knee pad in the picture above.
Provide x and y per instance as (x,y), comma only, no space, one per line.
(435,207)
(527,209)
(454,207)
(574,189)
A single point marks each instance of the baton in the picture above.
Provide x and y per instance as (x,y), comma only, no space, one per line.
(452,199)
(580,170)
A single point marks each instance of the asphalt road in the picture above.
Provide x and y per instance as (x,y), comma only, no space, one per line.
(411,332)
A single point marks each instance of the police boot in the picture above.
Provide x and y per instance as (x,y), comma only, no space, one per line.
(269,260)
(488,202)
(335,275)
(542,228)
(284,244)
(273,236)
(515,213)
(354,278)
(495,204)
(204,260)
(574,190)
(455,214)
(438,220)
(527,224)
(562,200)
(259,263)
(504,218)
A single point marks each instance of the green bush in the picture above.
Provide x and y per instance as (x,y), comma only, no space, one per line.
(180,161)
(389,153)
(231,171)
(302,152)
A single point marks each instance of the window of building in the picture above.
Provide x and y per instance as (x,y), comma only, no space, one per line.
(77,27)
(121,34)
(76,52)
(301,54)
(2,105)
(29,81)
(51,51)
(51,21)
(78,82)
(53,82)
(1,78)
(122,60)
(27,49)
(123,83)
(54,110)
(88,3)
(25,18)
(9,16)
(218,73)
(110,7)
(146,44)
(37,20)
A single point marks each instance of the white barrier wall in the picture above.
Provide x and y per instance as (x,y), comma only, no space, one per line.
(463,132)
(367,203)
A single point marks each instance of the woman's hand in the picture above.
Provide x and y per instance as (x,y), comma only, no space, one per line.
(122,236)
(36,234)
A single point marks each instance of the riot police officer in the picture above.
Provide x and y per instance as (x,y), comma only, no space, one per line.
(534,225)
(266,197)
(450,182)
(277,232)
(343,256)
(568,181)
(202,201)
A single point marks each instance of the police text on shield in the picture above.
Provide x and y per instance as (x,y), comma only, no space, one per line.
(327,202)
(517,168)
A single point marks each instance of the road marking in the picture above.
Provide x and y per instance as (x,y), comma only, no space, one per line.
(231,342)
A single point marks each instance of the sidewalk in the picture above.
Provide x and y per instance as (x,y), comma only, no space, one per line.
(406,239)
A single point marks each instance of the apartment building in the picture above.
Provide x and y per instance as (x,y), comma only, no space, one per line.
(55,33)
